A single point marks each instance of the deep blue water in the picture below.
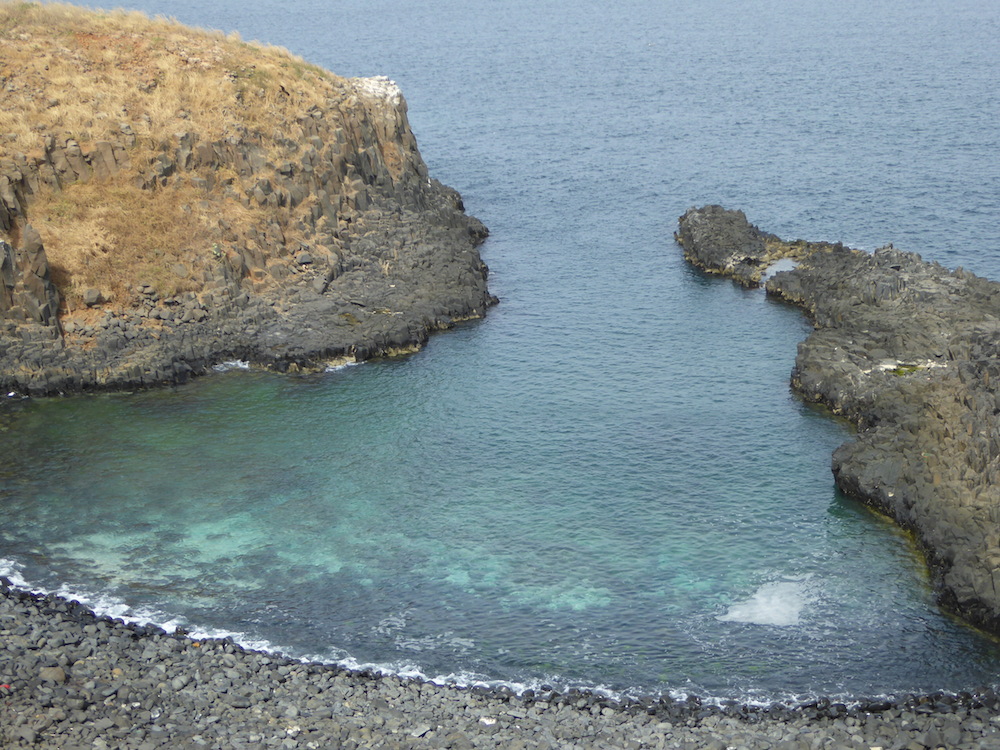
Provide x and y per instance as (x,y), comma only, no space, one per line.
(607,481)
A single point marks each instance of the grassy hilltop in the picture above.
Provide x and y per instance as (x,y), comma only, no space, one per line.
(87,76)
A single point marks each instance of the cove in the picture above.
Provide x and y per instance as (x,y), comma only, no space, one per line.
(474,514)
(596,405)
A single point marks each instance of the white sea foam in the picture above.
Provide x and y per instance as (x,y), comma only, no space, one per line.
(777,603)
(465,679)
(440,641)
(232,364)
(341,364)
(113,606)
(12,572)
(781,597)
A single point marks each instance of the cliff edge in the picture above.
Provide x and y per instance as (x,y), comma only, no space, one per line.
(171,198)
(909,352)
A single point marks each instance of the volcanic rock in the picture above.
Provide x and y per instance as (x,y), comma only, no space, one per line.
(910,353)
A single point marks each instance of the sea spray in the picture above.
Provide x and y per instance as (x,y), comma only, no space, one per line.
(778,603)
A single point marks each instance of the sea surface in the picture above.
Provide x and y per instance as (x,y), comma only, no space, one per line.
(607,482)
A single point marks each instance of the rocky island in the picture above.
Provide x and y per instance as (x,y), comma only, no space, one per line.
(171,198)
(908,352)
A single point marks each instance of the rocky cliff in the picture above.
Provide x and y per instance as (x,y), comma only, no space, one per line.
(178,198)
(909,352)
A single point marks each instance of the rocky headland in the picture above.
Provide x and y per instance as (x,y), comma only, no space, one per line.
(171,198)
(908,352)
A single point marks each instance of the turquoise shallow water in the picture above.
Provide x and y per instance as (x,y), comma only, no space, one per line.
(607,481)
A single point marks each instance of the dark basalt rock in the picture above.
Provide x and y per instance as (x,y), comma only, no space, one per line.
(910,353)
(723,242)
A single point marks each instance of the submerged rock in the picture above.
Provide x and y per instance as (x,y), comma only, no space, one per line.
(910,353)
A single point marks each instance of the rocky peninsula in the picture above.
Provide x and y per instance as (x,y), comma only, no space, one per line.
(171,198)
(908,352)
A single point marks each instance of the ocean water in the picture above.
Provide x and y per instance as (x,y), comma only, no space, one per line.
(606,482)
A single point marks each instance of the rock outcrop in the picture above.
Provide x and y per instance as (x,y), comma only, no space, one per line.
(910,353)
(320,236)
(27,294)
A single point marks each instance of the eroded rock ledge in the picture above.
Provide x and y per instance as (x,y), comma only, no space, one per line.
(908,351)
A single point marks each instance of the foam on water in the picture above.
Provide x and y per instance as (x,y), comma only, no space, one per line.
(778,603)
(101,604)
(109,605)
(771,598)
(104,604)
(242,364)
(340,364)
(231,364)
(11,570)
(470,679)
(115,607)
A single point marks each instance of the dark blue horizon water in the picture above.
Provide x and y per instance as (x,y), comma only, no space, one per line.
(606,482)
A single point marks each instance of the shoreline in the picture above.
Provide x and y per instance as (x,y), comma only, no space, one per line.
(76,677)
(114,609)
(69,676)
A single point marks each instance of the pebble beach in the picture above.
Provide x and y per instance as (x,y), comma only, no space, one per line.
(70,678)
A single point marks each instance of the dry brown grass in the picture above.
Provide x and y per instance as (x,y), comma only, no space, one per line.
(65,69)
(72,72)
(111,236)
